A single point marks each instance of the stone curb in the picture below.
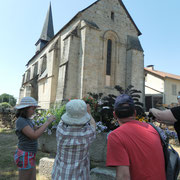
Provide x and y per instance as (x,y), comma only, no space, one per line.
(98,173)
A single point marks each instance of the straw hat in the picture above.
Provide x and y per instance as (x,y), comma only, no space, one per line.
(27,102)
(76,113)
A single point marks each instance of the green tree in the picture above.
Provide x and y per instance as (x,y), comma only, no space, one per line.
(5,105)
(8,98)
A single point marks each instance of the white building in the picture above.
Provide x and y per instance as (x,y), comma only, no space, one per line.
(160,87)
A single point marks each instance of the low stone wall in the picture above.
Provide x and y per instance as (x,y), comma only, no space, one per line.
(7,118)
(98,149)
(98,173)
(103,173)
(45,167)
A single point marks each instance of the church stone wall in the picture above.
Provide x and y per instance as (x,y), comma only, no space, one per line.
(100,13)
(91,60)
(72,74)
(137,71)
(78,64)
(45,80)
(43,87)
(61,83)
(55,70)
(121,66)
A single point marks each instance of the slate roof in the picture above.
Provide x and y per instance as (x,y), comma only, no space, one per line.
(48,30)
(134,43)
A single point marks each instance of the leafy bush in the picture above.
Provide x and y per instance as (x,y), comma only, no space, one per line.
(5,105)
(101,109)
(167,134)
(103,106)
(42,116)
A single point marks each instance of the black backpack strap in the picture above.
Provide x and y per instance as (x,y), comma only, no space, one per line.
(162,139)
(172,161)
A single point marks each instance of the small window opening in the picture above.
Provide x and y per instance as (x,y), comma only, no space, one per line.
(108,63)
(112,16)
(44,64)
(109,51)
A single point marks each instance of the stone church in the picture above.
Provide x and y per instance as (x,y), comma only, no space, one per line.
(96,50)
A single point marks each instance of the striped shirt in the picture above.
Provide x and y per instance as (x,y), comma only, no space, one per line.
(72,158)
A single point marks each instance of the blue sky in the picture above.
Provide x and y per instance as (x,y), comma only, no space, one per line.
(22,21)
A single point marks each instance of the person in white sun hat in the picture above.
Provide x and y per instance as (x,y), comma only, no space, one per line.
(27,138)
(73,135)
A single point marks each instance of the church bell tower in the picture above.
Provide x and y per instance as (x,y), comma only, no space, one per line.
(47,31)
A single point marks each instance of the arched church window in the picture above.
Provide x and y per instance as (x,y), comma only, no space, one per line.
(109,52)
(110,57)
(44,64)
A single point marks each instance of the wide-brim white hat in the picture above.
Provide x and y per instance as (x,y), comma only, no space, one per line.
(76,113)
(27,102)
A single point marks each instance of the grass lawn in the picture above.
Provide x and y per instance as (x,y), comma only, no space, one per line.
(8,144)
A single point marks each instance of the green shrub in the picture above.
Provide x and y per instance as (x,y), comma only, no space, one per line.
(5,105)
(42,115)
(102,107)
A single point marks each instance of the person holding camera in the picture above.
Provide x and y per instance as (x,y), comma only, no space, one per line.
(168,117)
(74,135)
(27,133)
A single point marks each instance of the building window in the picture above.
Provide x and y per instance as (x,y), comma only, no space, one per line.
(174,89)
(109,52)
(110,57)
(35,70)
(28,75)
(28,90)
(108,63)
(23,81)
(112,16)
(44,64)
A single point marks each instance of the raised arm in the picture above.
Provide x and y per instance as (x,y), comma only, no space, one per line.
(164,116)
(34,134)
(92,121)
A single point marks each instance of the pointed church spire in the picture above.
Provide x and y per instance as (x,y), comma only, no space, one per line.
(47,31)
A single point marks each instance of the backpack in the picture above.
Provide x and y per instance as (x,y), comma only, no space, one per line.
(172,160)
